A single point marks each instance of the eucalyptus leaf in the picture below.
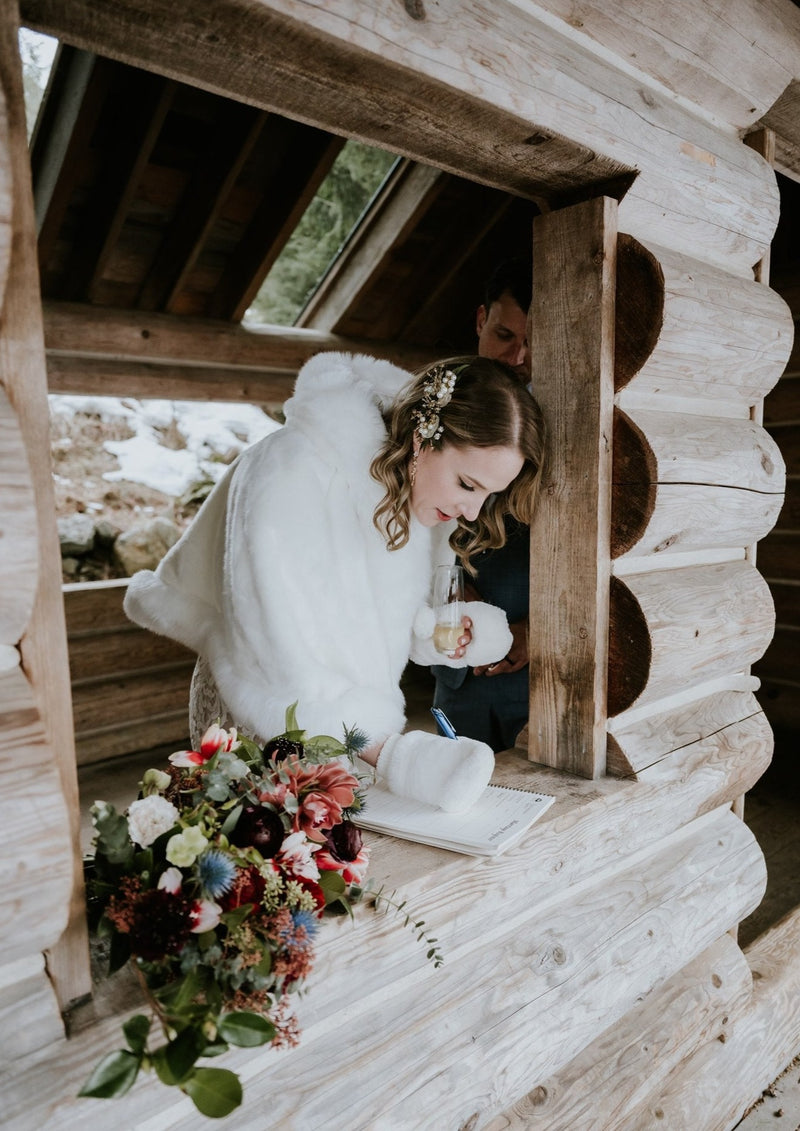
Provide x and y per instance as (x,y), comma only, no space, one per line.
(136,1030)
(113,1076)
(230,821)
(246,1029)
(214,1091)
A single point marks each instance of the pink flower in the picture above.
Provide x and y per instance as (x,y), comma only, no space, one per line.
(297,856)
(204,916)
(214,740)
(323,792)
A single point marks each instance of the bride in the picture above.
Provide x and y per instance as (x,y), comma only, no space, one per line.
(306,575)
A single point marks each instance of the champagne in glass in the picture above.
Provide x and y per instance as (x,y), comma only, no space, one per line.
(448,607)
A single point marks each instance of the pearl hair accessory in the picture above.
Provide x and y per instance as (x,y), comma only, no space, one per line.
(436,393)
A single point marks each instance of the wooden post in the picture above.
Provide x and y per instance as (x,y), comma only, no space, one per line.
(44,643)
(572,318)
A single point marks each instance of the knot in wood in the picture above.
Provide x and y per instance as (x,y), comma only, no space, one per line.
(538,1096)
(416,10)
(470,1123)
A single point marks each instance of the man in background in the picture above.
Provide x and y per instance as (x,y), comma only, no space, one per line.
(491,703)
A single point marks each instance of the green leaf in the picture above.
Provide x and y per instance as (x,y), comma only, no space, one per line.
(323,747)
(265,965)
(233,919)
(335,891)
(113,1076)
(163,1070)
(136,1030)
(246,1029)
(230,821)
(181,1053)
(214,1091)
(291,722)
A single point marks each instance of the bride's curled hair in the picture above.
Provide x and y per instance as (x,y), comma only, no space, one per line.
(489,408)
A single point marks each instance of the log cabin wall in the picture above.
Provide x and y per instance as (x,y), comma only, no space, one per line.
(778,555)
(611,920)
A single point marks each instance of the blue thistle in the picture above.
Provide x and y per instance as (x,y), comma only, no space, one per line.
(216,872)
(308,920)
(355,740)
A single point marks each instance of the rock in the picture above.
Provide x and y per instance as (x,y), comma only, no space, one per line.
(105,535)
(76,535)
(70,568)
(144,545)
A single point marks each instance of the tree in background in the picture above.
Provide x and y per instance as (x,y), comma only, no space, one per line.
(324,228)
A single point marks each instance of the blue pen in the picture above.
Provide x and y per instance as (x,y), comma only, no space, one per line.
(443,723)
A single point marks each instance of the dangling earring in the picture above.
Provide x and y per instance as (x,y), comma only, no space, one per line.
(412,474)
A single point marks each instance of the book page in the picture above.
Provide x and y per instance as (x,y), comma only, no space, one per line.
(498,818)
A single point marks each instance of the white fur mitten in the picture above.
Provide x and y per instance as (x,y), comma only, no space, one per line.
(491,637)
(448,773)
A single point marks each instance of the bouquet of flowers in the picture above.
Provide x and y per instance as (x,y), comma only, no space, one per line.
(212,885)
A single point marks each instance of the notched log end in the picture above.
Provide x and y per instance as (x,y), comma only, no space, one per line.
(629,649)
(639,308)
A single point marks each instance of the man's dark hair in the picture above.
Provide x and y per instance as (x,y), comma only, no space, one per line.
(514,276)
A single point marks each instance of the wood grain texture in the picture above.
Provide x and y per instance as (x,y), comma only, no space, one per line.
(43,646)
(696,624)
(683,482)
(595,1091)
(461,87)
(639,745)
(511,1006)
(731,1076)
(35,848)
(720,336)
(573,323)
(19,562)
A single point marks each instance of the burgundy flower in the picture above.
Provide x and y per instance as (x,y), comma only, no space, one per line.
(160,925)
(260,827)
(279,749)
(344,851)
(247,887)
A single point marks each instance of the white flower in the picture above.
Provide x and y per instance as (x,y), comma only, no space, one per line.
(171,880)
(297,855)
(149,818)
(184,848)
(205,916)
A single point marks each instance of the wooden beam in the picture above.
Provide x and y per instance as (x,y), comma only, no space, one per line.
(407,195)
(43,646)
(573,378)
(556,116)
(70,75)
(308,155)
(99,351)
(221,162)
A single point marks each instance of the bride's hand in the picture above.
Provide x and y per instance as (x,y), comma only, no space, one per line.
(464,640)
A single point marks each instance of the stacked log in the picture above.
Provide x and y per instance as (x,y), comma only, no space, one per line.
(691,492)
(35,849)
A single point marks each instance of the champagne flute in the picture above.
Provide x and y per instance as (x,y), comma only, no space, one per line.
(448,607)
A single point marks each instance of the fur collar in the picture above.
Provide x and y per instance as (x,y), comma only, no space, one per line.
(339,399)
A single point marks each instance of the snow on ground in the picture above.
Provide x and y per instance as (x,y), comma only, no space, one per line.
(175,443)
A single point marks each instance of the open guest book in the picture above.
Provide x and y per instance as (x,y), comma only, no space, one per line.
(497,820)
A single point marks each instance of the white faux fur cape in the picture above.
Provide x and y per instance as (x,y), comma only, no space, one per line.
(282,580)
(285,585)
